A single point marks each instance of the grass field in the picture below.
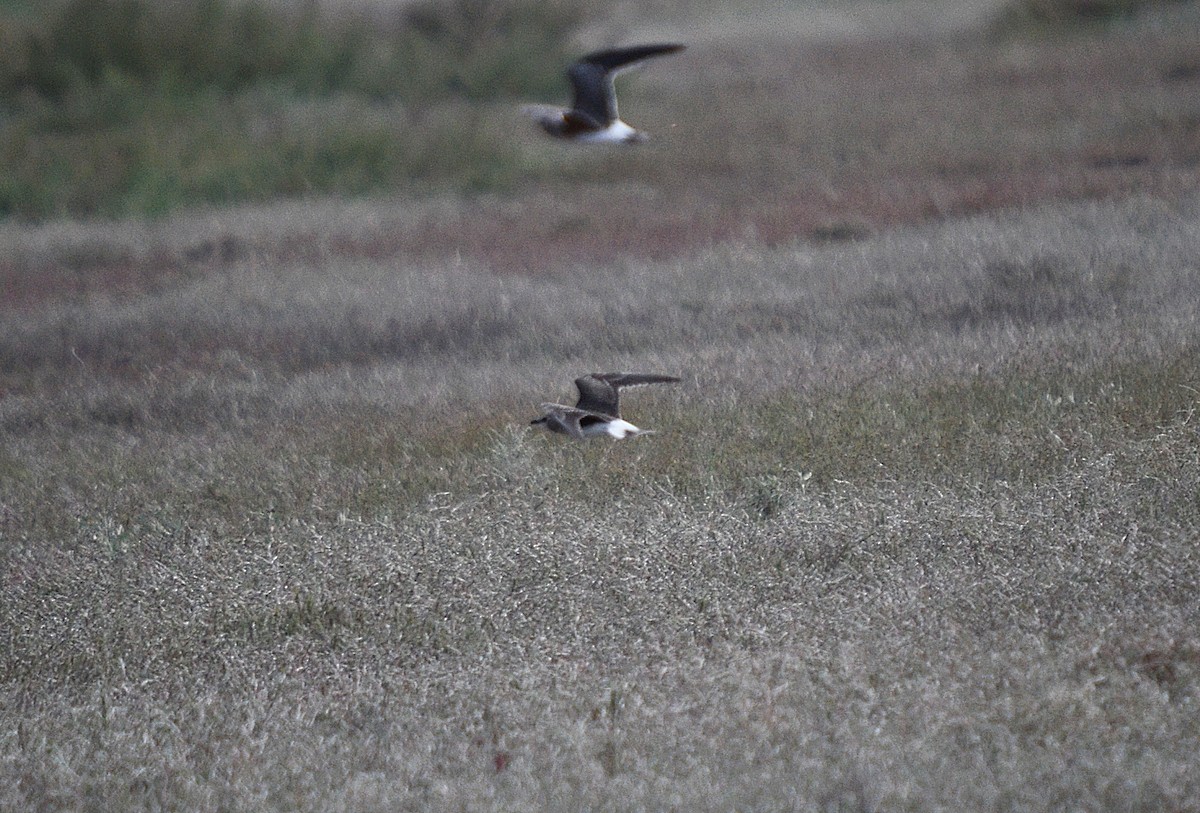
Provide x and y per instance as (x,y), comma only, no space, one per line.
(916,531)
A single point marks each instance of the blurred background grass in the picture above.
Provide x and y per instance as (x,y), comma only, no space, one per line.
(126,107)
(133,108)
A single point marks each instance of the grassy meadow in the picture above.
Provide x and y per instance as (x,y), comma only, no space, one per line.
(917,530)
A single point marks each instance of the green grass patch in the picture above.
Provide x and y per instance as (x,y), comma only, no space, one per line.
(124,107)
(484,49)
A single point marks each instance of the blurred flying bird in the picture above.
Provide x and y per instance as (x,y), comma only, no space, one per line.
(592,117)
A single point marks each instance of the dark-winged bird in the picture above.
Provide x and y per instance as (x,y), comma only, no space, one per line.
(598,412)
(593,116)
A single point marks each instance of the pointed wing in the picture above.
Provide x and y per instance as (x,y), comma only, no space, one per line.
(612,60)
(592,78)
(597,395)
(599,392)
(619,380)
(595,96)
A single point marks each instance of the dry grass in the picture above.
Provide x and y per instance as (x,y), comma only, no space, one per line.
(916,533)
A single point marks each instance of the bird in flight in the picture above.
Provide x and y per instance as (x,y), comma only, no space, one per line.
(592,117)
(598,412)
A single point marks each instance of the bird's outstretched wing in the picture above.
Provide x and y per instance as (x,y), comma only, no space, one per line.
(600,392)
(592,78)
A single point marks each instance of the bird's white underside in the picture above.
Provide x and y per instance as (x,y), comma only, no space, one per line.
(616,428)
(615,133)
(552,117)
